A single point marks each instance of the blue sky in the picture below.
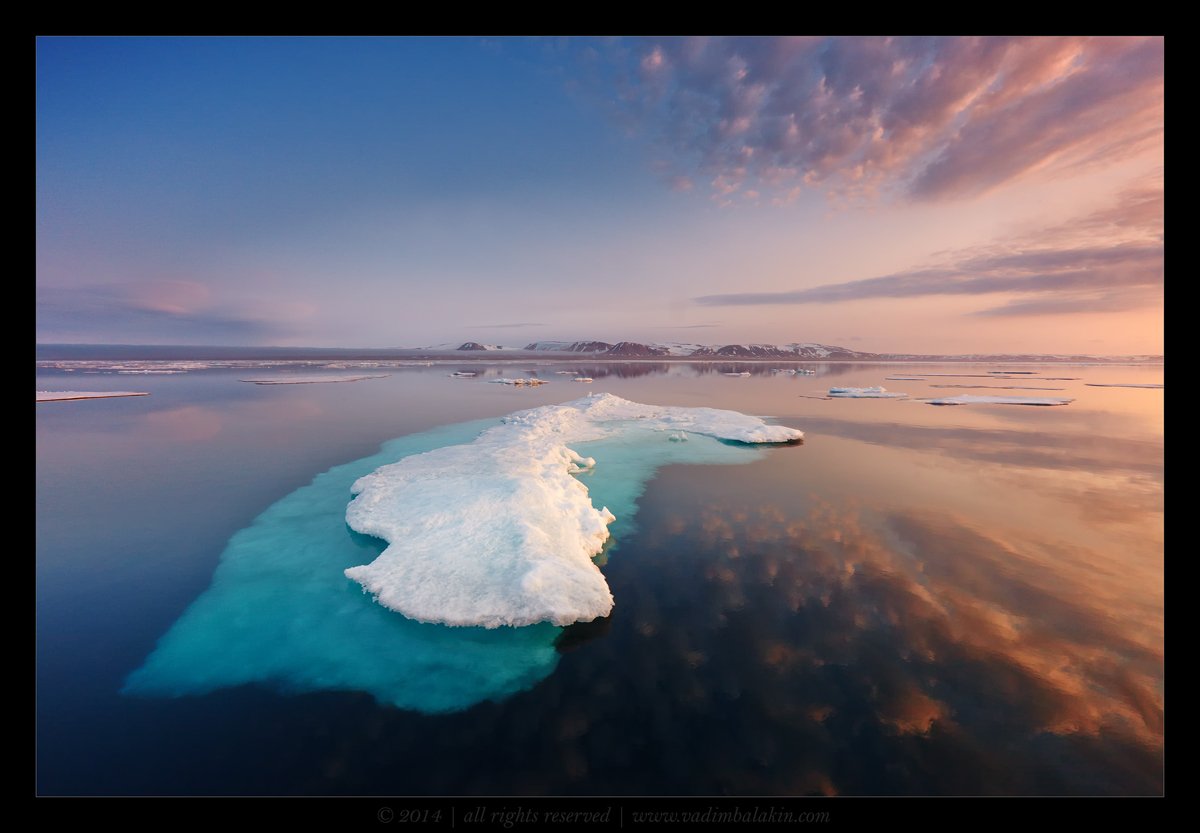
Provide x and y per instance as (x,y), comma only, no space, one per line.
(401,192)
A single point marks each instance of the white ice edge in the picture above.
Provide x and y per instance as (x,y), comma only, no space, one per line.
(969,399)
(499,531)
(62,395)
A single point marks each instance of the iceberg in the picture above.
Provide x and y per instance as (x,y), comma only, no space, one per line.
(865,393)
(498,531)
(280,612)
(969,399)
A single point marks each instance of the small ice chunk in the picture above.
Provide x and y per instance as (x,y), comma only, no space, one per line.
(582,379)
(865,393)
(531,382)
(312,379)
(463,374)
(743,374)
(969,399)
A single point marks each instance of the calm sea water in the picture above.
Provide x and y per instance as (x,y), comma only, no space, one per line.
(918,600)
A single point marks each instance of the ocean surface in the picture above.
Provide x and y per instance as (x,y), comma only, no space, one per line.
(918,600)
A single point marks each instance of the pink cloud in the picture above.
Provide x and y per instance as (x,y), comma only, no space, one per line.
(933,118)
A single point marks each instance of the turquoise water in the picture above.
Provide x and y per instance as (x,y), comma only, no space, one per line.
(281,612)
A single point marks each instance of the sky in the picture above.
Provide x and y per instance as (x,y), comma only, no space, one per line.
(922,195)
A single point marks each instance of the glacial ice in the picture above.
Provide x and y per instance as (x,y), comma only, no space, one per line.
(497,531)
(280,612)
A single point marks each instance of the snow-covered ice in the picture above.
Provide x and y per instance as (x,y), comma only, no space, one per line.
(63,395)
(280,612)
(583,379)
(742,374)
(865,393)
(312,379)
(969,399)
(498,531)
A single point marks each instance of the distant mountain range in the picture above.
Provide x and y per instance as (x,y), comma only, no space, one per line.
(794,351)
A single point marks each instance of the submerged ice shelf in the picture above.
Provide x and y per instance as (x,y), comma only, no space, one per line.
(498,531)
(280,611)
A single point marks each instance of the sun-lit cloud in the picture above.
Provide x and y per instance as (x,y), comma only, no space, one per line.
(933,118)
(1109,260)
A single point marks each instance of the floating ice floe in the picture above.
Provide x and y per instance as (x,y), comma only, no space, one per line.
(312,379)
(865,393)
(498,531)
(463,374)
(1121,385)
(63,395)
(520,383)
(969,399)
(905,378)
(743,373)
(280,612)
(998,387)
(583,379)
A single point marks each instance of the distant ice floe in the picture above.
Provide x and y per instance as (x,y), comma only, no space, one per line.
(998,387)
(463,374)
(742,374)
(583,379)
(498,531)
(1121,385)
(905,378)
(63,395)
(280,612)
(864,393)
(532,382)
(313,379)
(969,399)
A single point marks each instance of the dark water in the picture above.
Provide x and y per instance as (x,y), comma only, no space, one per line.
(918,600)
